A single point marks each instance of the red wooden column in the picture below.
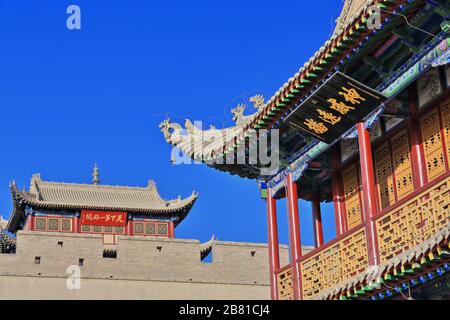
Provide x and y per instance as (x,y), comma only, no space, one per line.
(338,194)
(294,234)
(171,230)
(417,154)
(369,191)
(274,251)
(76,224)
(317,219)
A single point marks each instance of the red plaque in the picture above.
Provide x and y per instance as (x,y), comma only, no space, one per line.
(104,218)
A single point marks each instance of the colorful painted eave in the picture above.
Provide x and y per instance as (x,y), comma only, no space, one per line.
(318,68)
(431,53)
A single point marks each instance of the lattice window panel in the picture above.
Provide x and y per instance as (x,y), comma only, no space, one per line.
(402,164)
(139,228)
(119,229)
(385,181)
(285,285)
(163,229)
(352,201)
(41,224)
(66,225)
(335,264)
(445,110)
(150,228)
(85,228)
(414,222)
(53,224)
(432,143)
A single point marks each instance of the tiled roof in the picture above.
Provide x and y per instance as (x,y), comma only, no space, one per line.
(54,195)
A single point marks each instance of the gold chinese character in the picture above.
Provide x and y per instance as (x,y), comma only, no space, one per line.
(317,127)
(328,117)
(340,107)
(351,95)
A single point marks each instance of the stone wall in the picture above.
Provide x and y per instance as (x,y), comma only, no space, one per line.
(145,268)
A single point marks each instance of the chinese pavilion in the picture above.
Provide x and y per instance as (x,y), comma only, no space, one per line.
(111,211)
(364,124)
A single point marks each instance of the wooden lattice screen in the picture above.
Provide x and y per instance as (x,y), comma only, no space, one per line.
(335,264)
(432,144)
(285,287)
(402,164)
(414,222)
(351,192)
(385,180)
(445,110)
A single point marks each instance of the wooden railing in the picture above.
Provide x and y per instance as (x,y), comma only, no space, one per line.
(398,228)
(285,288)
(414,221)
(338,261)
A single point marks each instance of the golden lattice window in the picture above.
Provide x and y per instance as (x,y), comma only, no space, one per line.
(385,181)
(351,192)
(445,110)
(432,144)
(402,164)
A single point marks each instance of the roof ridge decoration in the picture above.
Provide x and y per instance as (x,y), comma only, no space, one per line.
(207,145)
(350,10)
(320,66)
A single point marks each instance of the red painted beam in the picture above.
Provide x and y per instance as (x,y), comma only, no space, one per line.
(369,191)
(317,219)
(274,251)
(294,234)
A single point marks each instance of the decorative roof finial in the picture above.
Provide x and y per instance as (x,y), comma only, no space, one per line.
(96,175)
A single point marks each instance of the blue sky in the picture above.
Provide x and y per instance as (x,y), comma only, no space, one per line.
(72,98)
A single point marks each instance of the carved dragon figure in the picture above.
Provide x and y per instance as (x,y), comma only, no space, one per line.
(170,130)
(238,113)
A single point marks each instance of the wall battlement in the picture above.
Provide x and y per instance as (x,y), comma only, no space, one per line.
(154,261)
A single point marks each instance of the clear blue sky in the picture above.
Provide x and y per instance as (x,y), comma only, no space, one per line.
(72,98)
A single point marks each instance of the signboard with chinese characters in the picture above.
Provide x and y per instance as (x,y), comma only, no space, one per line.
(335,108)
(103,218)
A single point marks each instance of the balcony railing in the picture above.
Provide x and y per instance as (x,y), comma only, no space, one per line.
(403,226)
(414,221)
(335,263)
(285,288)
